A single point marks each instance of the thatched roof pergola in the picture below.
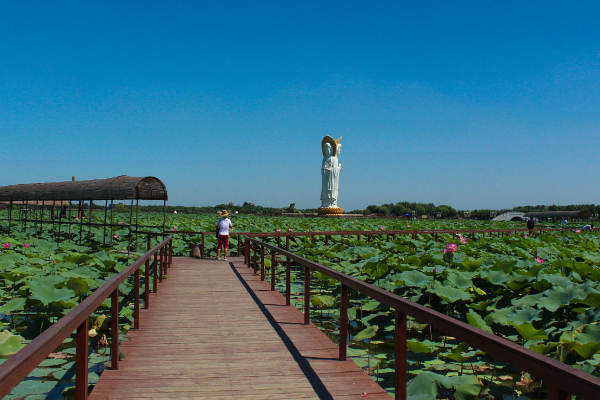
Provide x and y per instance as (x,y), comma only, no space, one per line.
(38,196)
(558,214)
(119,188)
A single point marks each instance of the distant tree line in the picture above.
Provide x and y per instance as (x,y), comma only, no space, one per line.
(431,210)
(400,209)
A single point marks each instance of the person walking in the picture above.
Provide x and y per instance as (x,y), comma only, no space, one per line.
(531,225)
(223,225)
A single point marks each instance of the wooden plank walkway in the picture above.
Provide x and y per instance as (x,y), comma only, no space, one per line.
(214,330)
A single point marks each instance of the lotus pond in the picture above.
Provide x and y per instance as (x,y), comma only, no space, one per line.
(540,292)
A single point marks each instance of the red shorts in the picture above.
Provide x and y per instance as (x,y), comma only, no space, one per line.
(223,240)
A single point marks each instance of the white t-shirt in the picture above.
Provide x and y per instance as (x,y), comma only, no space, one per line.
(224,224)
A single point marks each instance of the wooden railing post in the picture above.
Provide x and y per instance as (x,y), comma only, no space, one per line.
(160,264)
(147,284)
(81,362)
(272,270)
(288,281)
(255,263)
(136,299)
(147,279)
(154,272)
(202,255)
(239,245)
(114,330)
(343,322)
(287,243)
(247,252)
(262,263)
(326,240)
(170,252)
(556,393)
(306,295)
(400,374)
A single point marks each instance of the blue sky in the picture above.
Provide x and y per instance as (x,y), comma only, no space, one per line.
(472,104)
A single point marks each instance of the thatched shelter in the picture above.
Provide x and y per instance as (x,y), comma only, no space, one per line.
(40,196)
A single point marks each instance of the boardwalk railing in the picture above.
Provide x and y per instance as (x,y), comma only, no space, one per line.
(17,367)
(388,234)
(562,380)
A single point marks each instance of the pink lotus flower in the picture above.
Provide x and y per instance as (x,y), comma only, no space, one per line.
(540,260)
(464,240)
(77,218)
(115,236)
(6,245)
(578,231)
(174,229)
(409,226)
(121,223)
(290,230)
(53,261)
(382,228)
(26,245)
(451,248)
(278,230)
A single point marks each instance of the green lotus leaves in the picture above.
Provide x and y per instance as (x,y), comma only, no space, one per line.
(49,294)
(475,320)
(495,277)
(414,279)
(366,333)
(519,317)
(558,297)
(427,385)
(15,304)
(9,343)
(528,332)
(449,293)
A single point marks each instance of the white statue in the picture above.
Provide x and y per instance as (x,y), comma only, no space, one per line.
(330,172)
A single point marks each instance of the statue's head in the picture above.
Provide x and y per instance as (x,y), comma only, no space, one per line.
(328,150)
(338,149)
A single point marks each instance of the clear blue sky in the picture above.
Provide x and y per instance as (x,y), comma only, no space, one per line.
(474,104)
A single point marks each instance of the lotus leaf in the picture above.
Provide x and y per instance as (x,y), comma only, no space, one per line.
(460,280)
(370,305)
(558,297)
(450,294)
(414,279)
(428,383)
(589,333)
(12,305)
(48,294)
(9,343)
(478,322)
(366,333)
(528,332)
(522,316)
(587,350)
(495,277)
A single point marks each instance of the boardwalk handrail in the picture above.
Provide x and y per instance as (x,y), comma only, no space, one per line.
(388,233)
(562,379)
(18,366)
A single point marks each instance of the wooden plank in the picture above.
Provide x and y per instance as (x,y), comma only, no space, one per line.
(214,330)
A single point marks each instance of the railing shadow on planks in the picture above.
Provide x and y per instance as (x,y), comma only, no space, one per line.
(17,367)
(388,234)
(562,380)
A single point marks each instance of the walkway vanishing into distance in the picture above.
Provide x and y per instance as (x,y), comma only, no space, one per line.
(214,330)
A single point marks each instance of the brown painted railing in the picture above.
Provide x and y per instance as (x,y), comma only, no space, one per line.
(359,234)
(17,367)
(562,380)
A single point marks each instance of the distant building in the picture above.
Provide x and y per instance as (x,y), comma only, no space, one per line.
(231,203)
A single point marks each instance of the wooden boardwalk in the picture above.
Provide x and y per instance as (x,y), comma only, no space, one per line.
(214,330)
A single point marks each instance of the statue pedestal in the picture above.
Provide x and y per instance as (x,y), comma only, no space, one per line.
(330,211)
